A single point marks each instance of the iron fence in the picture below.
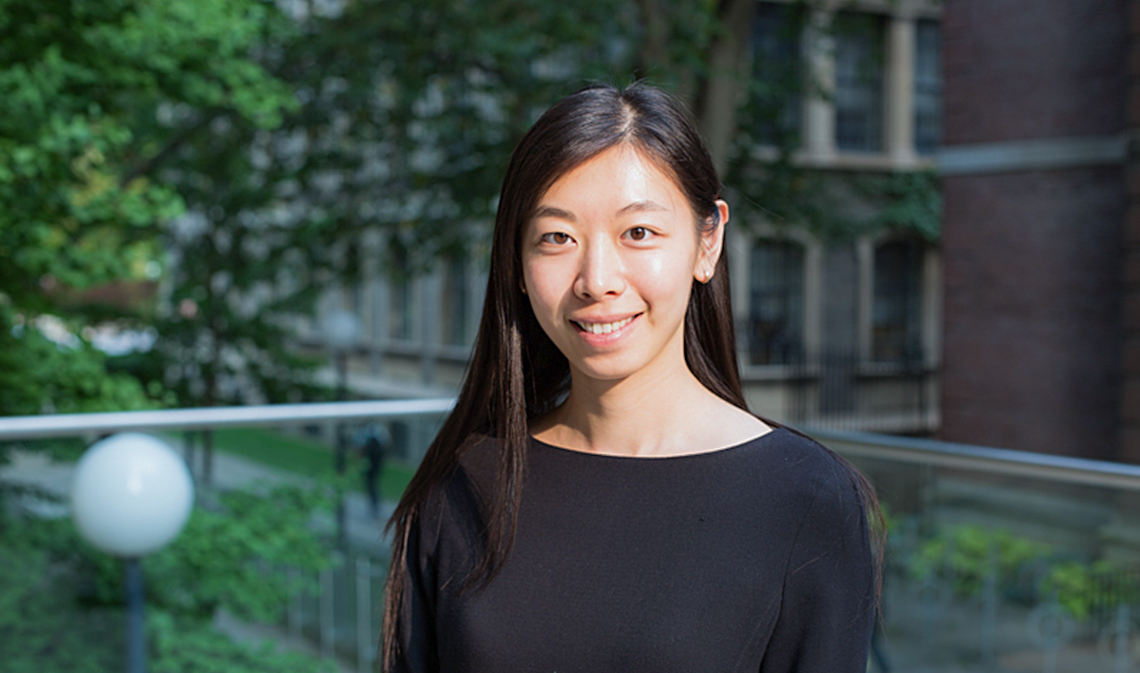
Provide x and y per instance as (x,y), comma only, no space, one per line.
(839,390)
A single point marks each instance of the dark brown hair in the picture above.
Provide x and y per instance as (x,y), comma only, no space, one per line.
(516,373)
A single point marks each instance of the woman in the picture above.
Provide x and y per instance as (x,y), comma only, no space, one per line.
(600,499)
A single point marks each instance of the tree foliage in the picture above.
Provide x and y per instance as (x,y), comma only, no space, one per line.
(86,89)
(39,375)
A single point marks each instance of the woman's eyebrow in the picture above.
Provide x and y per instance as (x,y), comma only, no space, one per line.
(551,211)
(642,207)
(635,207)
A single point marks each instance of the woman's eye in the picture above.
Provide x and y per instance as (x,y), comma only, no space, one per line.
(556,237)
(639,233)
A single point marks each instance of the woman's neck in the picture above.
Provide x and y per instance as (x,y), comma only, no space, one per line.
(659,414)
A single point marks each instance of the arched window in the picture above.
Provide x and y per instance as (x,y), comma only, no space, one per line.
(775,303)
(896,312)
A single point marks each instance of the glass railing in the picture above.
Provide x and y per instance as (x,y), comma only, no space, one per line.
(1002,560)
(996,560)
(326,608)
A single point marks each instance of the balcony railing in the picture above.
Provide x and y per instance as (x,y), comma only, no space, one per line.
(1003,560)
(996,561)
(842,391)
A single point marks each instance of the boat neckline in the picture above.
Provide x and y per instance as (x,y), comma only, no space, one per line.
(680,456)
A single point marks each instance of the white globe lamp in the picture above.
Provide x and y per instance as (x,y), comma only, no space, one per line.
(342,332)
(130,496)
(341,329)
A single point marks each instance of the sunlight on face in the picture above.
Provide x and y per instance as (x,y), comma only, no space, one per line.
(609,259)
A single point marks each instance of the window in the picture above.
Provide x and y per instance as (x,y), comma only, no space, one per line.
(775,303)
(927,87)
(859,82)
(453,304)
(776,68)
(896,313)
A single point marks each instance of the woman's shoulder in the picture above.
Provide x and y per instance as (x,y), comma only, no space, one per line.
(805,471)
(463,483)
(455,505)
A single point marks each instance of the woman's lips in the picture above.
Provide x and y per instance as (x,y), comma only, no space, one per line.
(606,330)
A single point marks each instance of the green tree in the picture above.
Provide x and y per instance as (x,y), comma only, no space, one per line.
(90,98)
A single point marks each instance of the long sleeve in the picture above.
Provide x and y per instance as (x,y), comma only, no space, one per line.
(444,544)
(828,605)
(417,650)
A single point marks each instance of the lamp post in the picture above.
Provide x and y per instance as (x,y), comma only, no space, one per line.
(342,331)
(131,495)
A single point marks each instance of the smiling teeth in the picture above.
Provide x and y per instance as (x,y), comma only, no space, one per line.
(603,327)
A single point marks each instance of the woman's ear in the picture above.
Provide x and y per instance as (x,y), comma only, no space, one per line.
(711,244)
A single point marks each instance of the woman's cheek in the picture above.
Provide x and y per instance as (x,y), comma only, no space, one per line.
(661,271)
(547,284)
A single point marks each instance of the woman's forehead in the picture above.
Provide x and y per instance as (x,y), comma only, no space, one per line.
(619,180)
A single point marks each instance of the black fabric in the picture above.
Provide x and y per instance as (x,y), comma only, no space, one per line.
(750,558)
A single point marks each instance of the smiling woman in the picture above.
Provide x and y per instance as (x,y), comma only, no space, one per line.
(601,498)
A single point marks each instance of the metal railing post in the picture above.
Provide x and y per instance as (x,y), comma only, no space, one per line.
(364,647)
(327,621)
(294,615)
(136,642)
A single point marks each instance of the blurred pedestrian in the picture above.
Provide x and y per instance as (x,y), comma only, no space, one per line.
(375,443)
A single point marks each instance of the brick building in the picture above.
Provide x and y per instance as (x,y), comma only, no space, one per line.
(1041,232)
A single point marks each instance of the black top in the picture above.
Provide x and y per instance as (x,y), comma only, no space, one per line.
(750,558)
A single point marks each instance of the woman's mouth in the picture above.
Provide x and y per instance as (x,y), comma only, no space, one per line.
(603,327)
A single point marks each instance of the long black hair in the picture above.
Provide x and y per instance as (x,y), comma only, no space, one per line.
(516,373)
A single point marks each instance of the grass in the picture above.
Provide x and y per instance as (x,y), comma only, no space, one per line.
(287,452)
(306,457)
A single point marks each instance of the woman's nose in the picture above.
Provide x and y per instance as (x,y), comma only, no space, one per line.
(601,272)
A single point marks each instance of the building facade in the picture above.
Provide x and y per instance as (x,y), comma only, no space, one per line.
(1038,304)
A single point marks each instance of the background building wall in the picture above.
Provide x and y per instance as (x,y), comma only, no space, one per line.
(1130,254)
(1034,200)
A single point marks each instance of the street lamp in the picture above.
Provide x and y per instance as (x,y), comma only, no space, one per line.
(342,331)
(130,496)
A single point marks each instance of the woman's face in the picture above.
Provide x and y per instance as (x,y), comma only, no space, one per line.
(608,263)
